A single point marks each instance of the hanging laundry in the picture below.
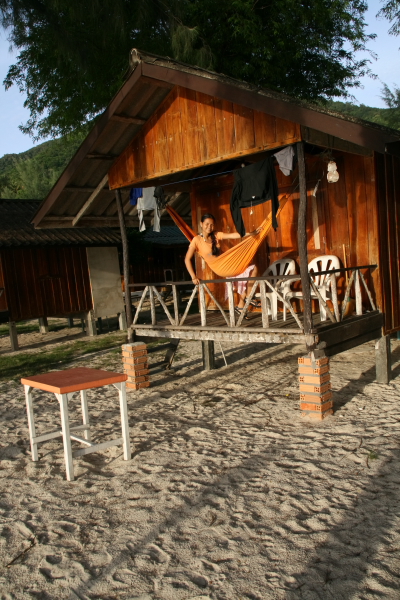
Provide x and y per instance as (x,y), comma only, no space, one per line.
(148,202)
(134,195)
(160,197)
(285,158)
(254,185)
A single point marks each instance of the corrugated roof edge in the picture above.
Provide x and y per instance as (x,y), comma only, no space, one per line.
(16,229)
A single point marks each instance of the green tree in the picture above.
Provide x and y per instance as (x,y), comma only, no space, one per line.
(31,174)
(392,101)
(391,11)
(73,54)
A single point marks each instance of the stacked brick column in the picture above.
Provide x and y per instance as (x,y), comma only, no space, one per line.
(134,358)
(315,388)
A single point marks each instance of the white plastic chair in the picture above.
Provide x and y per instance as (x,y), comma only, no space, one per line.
(284,266)
(327,262)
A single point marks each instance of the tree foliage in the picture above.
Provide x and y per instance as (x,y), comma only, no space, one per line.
(31,174)
(389,117)
(391,11)
(73,54)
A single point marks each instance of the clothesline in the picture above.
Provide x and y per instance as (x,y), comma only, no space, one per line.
(208,176)
(195,178)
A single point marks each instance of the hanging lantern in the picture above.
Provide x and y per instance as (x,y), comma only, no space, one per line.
(332,175)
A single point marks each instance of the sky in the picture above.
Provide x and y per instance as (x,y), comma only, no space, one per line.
(386,67)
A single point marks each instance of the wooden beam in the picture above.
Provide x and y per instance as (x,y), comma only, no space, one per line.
(77,188)
(102,156)
(130,120)
(319,138)
(352,343)
(125,260)
(345,330)
(90,200)
(222,335)
(302,240)
(54,222)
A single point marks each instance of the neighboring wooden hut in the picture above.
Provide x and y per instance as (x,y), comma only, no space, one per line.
(164,259)
(55,272)
(188,129)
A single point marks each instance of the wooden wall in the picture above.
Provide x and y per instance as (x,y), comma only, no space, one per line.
(51,281)
(346,214)
(388,191)
(191,129)
(158,259)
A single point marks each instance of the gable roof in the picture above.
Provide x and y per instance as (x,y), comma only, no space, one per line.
(81,195)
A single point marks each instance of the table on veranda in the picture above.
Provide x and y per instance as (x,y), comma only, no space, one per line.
(64,384)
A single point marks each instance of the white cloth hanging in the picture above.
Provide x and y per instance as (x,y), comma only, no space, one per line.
(285,159)
(148,202)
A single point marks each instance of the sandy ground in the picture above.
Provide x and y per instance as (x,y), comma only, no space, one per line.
(33,340)
(230,495)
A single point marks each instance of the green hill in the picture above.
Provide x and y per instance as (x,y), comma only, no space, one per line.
(390,117)
(31,174)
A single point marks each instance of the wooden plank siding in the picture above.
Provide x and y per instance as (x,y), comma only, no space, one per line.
(45,282)
(388,192)
(191,129)
(347,215)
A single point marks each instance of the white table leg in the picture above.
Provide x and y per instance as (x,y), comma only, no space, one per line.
(124,419)
(63,400)
(85,414)
(31,422)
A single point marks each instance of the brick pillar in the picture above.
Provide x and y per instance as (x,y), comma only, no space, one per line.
(134,358)
(315,388)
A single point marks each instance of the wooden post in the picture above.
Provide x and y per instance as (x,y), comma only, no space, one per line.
(13,336)
(176,304)
(43,325)
(358,293)
(203,309)
(231,300)
(264,307)
(170,354)
(121,321)
(152,306)
(302,240)
(383,360)
(125,259)
(90,324)
(207,347)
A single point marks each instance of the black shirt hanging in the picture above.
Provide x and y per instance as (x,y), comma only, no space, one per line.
(254,185)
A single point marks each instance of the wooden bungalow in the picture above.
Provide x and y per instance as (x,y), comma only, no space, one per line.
(56,272)
(188,129)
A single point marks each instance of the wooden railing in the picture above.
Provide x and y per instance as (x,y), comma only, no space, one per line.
(264,287)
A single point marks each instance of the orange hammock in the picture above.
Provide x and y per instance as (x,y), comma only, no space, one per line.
(235,260)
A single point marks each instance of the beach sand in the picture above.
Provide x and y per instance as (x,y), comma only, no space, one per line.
(230,494)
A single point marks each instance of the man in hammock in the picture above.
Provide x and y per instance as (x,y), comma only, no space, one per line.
(207,246)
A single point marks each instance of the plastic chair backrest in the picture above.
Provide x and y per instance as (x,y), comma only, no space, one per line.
(284,266)
(327,262)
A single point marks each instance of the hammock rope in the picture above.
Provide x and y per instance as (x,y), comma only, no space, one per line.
(235,260)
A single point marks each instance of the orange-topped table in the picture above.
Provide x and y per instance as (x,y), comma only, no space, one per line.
(63,384)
